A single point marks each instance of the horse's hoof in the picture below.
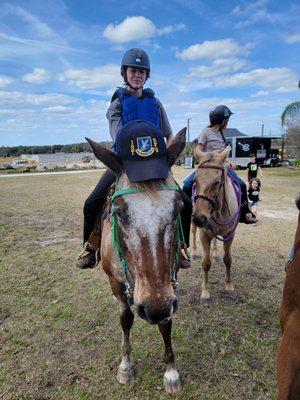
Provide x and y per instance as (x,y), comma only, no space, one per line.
(231,295)
(205,301)
(172,382)
(125,376)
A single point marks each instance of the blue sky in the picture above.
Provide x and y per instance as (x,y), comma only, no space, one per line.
(60,63)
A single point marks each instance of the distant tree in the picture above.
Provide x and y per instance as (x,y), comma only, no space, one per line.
(290,112)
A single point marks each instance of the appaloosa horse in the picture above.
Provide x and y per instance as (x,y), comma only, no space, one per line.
(288,359)
(140,252)
(216,211)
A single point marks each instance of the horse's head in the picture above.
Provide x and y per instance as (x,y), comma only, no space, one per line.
(210,178)
(146,223)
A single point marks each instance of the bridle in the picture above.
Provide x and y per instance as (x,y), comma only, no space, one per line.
(117,243)
(233,219)
(221,186)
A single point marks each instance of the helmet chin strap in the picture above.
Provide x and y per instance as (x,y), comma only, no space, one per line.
(222,125)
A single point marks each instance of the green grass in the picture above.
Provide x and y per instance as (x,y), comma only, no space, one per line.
(59,327)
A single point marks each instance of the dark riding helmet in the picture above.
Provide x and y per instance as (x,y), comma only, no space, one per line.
(137,58)
(218,114)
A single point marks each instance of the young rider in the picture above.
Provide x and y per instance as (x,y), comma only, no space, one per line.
(212,139)
(130,102)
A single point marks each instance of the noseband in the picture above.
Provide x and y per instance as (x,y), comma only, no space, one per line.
(203,196)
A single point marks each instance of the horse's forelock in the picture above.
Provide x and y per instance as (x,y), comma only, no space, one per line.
(152,187)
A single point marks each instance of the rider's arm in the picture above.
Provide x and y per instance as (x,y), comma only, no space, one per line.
(165,124)
(113,115)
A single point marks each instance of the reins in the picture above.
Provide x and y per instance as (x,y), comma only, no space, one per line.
(117,244)
(235,218)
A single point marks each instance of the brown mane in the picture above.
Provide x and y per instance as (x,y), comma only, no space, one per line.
(151,187)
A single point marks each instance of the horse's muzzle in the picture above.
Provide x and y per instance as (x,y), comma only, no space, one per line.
(201,221)
(154,314)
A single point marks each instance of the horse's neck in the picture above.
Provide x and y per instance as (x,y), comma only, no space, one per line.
(227,200)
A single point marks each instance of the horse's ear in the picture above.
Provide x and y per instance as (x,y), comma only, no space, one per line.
(224,154)
(199,154)
(110,159)
(176,147)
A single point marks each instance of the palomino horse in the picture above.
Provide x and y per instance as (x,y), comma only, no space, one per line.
(216,211)
(288,359)
(139,253)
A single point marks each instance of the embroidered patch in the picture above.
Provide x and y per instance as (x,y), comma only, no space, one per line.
(138,60)
(144,146)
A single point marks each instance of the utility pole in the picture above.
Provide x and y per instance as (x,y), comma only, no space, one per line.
(262,130)
(188,130)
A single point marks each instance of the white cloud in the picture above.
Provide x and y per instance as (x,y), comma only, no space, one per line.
(14,98)
(137,28)
(99,77)
(39,27)
(4,81)
(292,38)
(267,78)
(280,80)
(219,67)
(58,109)
(260,93)
(252,13)
(38,76)
(11,46)
(213,49)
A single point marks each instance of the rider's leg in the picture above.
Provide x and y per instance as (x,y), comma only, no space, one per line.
(91,229)
(246,215)
(186,214)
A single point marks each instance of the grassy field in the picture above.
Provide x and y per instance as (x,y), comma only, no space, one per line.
(59,331)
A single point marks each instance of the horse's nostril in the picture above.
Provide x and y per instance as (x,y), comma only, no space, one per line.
(141,311)
(175,305)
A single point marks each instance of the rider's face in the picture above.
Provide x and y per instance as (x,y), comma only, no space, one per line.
(136,77)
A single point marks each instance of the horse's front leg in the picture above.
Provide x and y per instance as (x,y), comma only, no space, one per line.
(228,261)
(194,245)
(172,382)
(206,264)
(125,373)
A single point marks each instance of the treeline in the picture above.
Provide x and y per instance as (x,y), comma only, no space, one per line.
(17,151)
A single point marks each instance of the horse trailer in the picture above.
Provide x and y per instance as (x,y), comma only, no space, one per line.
(243,146)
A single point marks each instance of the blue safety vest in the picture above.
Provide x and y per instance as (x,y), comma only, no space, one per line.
(133,108)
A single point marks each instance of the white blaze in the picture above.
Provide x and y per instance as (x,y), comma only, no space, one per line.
(148,217)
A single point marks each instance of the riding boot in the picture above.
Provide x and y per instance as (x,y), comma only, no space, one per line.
(90,255)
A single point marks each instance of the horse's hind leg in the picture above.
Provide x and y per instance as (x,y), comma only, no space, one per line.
(206,264)
(228,261)
(125,372)
(172,382)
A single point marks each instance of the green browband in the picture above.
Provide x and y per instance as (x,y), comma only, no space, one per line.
(123,192)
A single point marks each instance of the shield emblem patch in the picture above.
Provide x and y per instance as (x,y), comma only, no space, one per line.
(144,146)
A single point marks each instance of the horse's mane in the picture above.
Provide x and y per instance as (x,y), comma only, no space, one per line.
(150,187)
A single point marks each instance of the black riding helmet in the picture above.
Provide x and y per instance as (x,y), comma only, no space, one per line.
(137,58)
(218,114)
